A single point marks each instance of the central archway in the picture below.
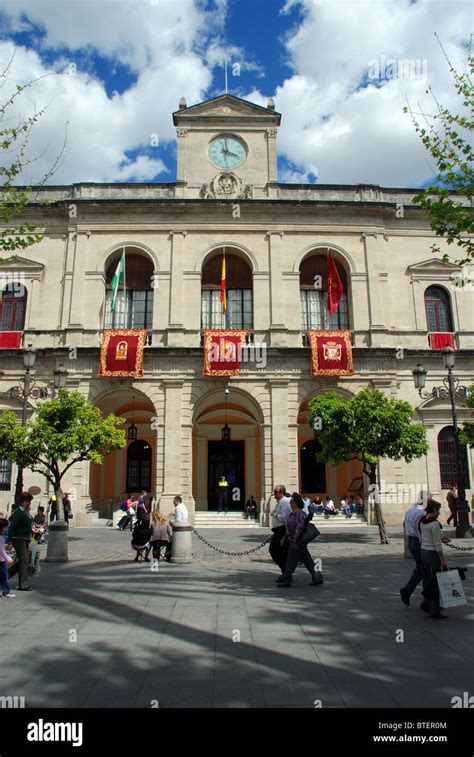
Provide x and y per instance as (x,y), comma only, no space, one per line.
(239,460)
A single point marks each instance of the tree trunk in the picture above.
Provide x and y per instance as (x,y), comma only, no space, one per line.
(377,506)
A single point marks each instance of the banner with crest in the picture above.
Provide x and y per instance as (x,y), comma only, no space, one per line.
(121,353)
(223,351)
(331,353)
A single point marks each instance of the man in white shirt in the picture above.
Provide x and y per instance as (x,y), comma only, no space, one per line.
(329,508)
(410,527)
(279,517)
(181,514)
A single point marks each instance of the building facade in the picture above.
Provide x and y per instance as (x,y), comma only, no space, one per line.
(276,239)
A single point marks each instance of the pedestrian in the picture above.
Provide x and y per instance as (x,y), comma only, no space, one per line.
(53,505)
(222,493)
(5,561)
(67,509)
(432,559)
(346,506)
(317,504)
(251,508)
(19,533)
(307,504)
(359,505)
(298,550)
(452,501)
(279,552)
(160,536)
(411,524)
(141,506)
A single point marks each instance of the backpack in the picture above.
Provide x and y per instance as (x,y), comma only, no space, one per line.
(123,506)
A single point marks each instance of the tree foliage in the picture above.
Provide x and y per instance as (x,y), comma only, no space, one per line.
(446,136)
(65,431)
(467,432)
(370,427)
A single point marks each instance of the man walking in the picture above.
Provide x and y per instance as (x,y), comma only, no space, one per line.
(411,529)
(222,489)
(279,518)
(19,533)
(452,501)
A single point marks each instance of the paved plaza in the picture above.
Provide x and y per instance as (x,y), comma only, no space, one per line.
(103,631)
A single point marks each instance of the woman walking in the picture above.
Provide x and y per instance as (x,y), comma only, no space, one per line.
(298,552)
(432,559)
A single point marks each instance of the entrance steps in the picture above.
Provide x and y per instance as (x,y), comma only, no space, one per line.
(206,519)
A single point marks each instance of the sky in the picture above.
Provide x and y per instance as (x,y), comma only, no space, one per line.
(107,74)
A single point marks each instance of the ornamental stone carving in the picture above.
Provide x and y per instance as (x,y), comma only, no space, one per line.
(226,186)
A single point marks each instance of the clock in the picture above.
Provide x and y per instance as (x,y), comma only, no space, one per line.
(227,152)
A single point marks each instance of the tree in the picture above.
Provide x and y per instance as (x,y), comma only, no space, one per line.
(67,429)
(446,137)
(14,137)
(368,427)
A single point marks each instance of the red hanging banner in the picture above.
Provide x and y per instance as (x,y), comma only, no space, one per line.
(121,353)
(223,351)
(331,353)
(440,340)
(335,288)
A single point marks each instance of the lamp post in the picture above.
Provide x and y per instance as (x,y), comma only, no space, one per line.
(29,389)
(451,388)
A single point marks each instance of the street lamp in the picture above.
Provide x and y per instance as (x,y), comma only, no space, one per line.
(451,388)
(29,389)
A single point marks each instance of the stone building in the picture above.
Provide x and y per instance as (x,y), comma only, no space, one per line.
(276,239)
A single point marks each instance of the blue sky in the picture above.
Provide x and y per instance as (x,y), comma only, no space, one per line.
(114,70)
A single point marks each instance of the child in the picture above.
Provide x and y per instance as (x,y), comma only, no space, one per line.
(39,525)
(5,561)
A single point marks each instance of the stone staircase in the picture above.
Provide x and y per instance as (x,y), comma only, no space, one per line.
(205,519)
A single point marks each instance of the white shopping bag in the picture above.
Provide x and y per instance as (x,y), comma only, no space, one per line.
(34,560)
(451,592)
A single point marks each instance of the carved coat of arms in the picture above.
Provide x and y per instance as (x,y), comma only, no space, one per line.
(332,351)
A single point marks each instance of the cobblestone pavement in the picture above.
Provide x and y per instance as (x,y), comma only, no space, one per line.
(102,631)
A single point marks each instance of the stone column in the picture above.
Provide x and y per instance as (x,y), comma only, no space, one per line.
(172,452)
(181,133)
(279,411)
(201,472)
(375,280)
(278,300)
(175,326)
(187,469)
(78,281)
(267,474)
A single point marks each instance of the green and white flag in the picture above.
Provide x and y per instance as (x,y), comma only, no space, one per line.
(119,278)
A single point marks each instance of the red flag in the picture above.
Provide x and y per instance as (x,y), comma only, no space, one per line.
(335,288)
(223,297)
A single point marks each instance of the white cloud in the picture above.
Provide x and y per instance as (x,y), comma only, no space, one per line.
(163,43)
(344,134)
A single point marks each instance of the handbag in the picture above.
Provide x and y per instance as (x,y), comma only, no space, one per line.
(310,533)
(451,592)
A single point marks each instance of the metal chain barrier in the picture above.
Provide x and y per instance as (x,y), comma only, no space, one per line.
(232,554)
(460,549)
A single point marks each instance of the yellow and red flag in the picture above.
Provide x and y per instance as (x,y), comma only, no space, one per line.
(223,297)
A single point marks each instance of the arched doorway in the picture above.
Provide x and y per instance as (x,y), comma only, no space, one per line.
(239,460)
(322,478)
(138,466)
(127,470)
(447,459)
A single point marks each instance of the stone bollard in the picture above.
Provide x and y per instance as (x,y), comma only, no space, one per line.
(181,544)
(57,542)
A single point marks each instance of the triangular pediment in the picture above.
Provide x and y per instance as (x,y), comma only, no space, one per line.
(226,106)
(17,263)
(433,266)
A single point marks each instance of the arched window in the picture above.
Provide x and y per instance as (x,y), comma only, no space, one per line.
(134,300)
(139,467)
(314,312)
(5,474)
(447,459)
(313,474)
(239,313)
(438,310)
(13,307)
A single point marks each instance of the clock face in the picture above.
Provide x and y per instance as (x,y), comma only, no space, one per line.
(227,152)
